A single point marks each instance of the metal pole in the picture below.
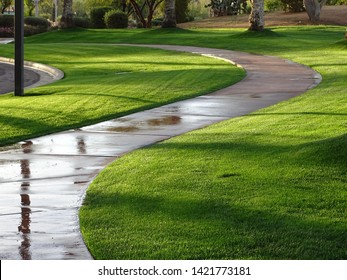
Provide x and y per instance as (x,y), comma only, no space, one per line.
(19,48)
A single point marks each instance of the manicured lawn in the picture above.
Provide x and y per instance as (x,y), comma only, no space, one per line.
(269,185)
(104,82)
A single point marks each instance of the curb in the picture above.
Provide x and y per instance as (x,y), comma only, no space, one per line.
(53,72)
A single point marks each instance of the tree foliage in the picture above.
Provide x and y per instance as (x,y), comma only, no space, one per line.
(227,7)
(4,4)
(144,10)
(30,4)
(293,6)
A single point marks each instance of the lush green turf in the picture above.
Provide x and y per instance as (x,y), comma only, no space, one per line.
(270,185)
(103,82)
(274,40)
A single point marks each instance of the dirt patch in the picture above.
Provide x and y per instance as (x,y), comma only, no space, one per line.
(330,15)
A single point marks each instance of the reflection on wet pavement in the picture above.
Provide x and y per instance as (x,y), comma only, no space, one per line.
(24,226)
(81,145)
(43,180)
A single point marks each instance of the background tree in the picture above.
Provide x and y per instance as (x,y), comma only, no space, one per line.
(144,10)
(227,7)
(169,14)
(313,8)
(90,4)
(4,4)
(293,6)
(256,18)
(30,4)
(67,16)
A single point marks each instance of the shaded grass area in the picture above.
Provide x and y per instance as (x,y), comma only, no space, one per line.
(269,185)
(274,40)
(104,82)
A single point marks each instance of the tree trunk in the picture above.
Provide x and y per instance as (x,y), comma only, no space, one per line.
(138,12)
(170,14)
(67,16)
(256,18)
(313,8)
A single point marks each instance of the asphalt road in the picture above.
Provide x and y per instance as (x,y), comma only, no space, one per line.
(7,77)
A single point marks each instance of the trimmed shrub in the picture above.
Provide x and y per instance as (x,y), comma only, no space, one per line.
(30,30)
(6,21)
(181,9)
(82,22)
(116,19)
(6,32)
(157,21)
(97,16)
(33,25)
(37,21)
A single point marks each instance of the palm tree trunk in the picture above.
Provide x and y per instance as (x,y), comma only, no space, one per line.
(256,18)
(170,14)
(67,16)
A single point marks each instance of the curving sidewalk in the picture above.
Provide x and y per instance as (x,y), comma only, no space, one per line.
(43,180)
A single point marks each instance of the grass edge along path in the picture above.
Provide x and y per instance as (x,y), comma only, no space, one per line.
(270,185)
(91,91)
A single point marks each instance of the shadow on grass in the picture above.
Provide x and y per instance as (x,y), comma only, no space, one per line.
(214,229)
(22,124)
(299,219)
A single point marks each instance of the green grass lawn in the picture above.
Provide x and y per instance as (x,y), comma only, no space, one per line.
(269,185)
(104,82)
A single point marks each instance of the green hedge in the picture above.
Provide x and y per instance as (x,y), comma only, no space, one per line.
(37,21)
(6,21)
(97,16)
(116,19)
(82,22)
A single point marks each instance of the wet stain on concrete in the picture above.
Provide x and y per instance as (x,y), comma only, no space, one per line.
(169,120)
(130,128)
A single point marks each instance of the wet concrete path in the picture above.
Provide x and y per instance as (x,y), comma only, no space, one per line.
(43,180)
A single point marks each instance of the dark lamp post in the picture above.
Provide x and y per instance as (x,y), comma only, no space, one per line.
(19,48)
